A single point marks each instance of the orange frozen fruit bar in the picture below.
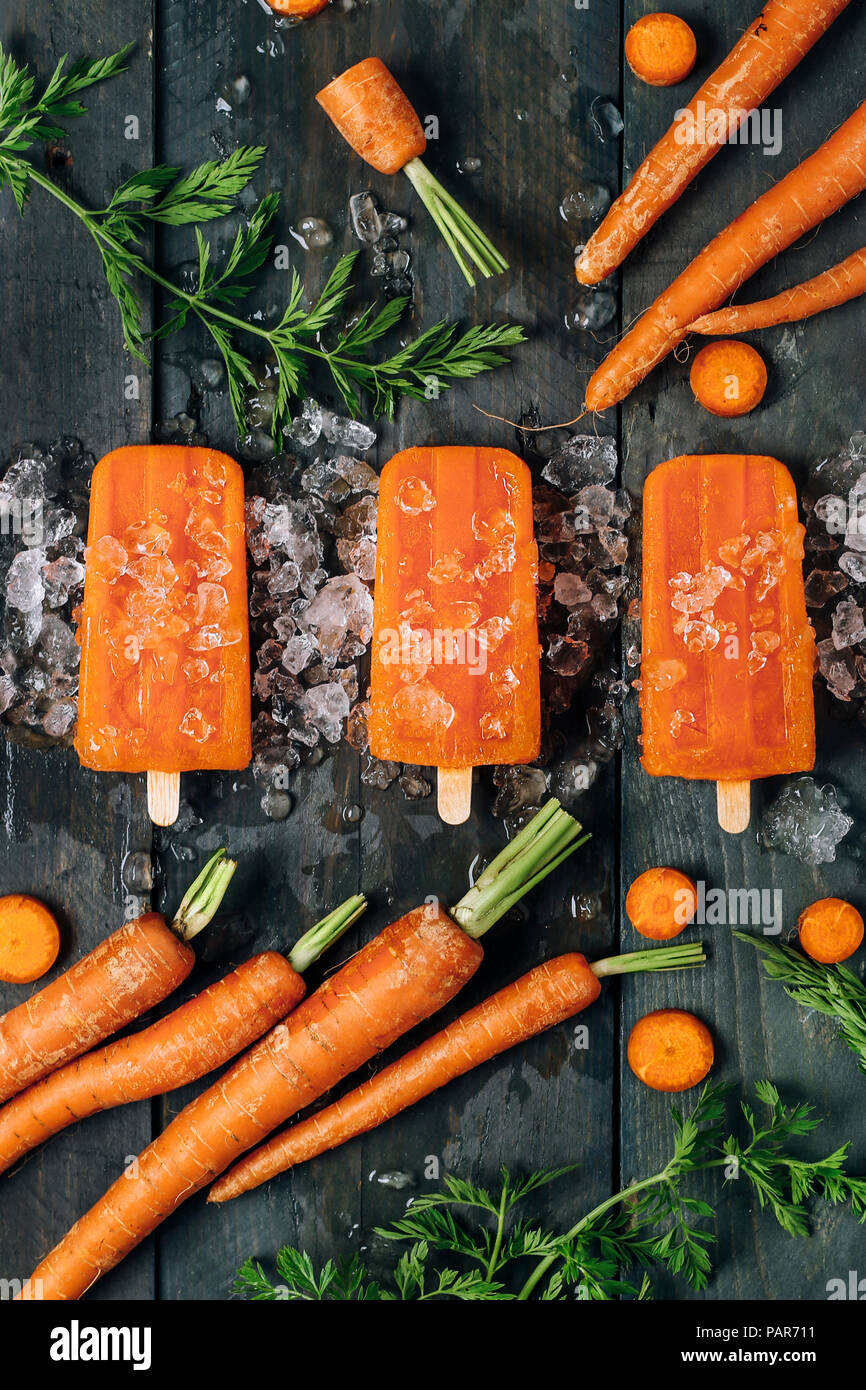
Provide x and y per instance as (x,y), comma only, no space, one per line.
(455,674)
(164,631)
(728,652)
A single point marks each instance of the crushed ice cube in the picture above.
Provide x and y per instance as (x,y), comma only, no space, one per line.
(327,707)
(25,585)
(581,460)
(848,625)
(306,425)
(347,433)
(853,565)
(807,821)
(366,223)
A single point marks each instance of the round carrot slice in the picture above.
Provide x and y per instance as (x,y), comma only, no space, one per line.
(661,49)
(298,9)
(29,939)
(830,930)
(728,377)
(661,903)
(670,1050)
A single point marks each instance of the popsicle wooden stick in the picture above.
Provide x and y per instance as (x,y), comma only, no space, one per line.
(454,794)
(163,797)
(733,806)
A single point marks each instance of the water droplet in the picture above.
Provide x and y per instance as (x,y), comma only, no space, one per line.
(276,804)
(137,872)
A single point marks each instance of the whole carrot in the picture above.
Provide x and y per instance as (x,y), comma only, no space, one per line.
(404,975)
(832,287)
(823,183)
(545,996)
(769,50)
(120,979)
(193,1040)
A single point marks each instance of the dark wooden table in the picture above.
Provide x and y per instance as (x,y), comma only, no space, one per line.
(65,833)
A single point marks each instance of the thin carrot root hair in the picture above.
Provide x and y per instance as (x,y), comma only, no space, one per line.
(531,429)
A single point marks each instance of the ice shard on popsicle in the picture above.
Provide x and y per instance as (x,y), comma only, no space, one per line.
(164,627)
(728,652)
(455,674)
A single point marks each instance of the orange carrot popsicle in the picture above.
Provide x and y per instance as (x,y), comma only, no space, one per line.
(164,631)
(455,674)
(728,652)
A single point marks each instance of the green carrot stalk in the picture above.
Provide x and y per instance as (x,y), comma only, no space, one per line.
(549,838)
(317,940)
(201,900)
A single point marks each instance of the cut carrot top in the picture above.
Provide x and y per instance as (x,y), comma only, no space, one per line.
(29,939)
(670,1050)
(830,930)
(660,903)
(660,49)
(728,378)
(374,116)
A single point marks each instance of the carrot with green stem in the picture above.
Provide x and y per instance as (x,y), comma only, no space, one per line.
(539,1000)
(811,192)
(831,288)
(770,49)
(411,969)
(120,979)
(203,1034)
(374,115)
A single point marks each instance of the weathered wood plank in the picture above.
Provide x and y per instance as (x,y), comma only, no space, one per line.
(402,851)
(813,404)
(66,832)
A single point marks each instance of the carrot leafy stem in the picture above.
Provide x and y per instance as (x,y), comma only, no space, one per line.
(165,196)
(470,1243)
(828,989)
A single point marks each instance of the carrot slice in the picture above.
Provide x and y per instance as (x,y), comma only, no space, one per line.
(298,9)
(728,378)
(661,49)
(830,930)
(670,1050)
(29,939)
(661,902)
